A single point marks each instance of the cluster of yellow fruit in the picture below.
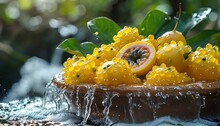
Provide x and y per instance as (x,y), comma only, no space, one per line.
(165,61)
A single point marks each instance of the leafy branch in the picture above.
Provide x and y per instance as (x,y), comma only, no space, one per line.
(155,22)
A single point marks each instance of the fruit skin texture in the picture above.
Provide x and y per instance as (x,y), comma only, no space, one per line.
(166,76)
(214,50)
(169,36)
(145,65)
(103,53)
(116,72)
(203,64)
(151,39)
(125,36)
(74,71)
(173,54)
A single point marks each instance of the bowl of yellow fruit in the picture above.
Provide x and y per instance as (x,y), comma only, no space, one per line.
(137,77)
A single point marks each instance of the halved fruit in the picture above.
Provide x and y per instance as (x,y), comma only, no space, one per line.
(140,55)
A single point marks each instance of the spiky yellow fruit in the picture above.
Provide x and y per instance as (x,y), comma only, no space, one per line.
(203,64)
(116,72)
(78,70)
(103,53)
(151,39)
(125,36)
(166,76)
(173,54)
(169,36)
(213,50)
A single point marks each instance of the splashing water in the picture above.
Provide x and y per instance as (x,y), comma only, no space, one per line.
(88,99)
(56,107)
(107,102)
(78,103)
(36,73)
(167,121)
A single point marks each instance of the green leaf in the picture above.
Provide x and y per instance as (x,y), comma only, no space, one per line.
(74,47)
(88,47)
(152,22)
(168,25)
(104,28)
(71,46)
(186,22)
(202,38)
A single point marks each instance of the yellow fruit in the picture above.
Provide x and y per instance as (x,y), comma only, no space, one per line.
(203,64)
(104,53)
(125,36)
(169,36)
(140,55)
(116,72)
(173,35)
(151,39)
(71,61)
(166,76)
(78,70)
(173,54)
(214,50)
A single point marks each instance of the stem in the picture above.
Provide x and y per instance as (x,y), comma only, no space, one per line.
(174,29)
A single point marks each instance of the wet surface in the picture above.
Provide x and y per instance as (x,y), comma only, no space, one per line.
(55,109)
(31,111)
(138,104)
(41,111)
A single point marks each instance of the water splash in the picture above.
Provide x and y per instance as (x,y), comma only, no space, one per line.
(55,104)
(56,108)
(168,121)
(33,79)
(107,102)
(78,109)
(132,104)
(156,101)
(88,100)
(57,96)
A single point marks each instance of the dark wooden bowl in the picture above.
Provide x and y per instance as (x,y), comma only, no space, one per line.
(138,104)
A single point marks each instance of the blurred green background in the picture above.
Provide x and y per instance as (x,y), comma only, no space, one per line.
(35,27)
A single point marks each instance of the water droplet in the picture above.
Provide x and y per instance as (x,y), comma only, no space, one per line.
(197,96)
(197,17)
(177,97)
(203,101)
(96,33)
(188,92)
(180,93)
